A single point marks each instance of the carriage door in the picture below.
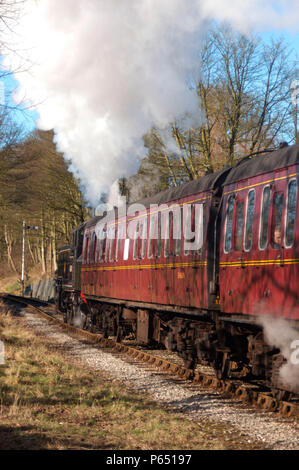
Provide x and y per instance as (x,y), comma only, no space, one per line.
(278,290)
(232,257)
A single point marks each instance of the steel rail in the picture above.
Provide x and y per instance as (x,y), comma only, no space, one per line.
(245,392)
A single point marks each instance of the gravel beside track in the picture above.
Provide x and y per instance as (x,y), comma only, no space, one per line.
(195,402)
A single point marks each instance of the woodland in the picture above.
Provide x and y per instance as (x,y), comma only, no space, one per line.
(248,103)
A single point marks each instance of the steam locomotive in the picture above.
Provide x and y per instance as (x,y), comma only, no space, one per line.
(208,303)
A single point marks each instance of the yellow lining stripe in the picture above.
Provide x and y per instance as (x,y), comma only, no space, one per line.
(149,266)
(259,262)
(263,182)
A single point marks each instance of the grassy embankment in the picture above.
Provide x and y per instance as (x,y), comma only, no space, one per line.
(47,402)
(10,281)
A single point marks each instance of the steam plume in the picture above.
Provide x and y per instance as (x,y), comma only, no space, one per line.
(105,71)
(279,334)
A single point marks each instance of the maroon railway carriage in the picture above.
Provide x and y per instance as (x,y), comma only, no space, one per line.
(259,245)
(158,271)
(202,304)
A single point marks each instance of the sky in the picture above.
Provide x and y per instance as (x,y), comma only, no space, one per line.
(290,37)
(104,71)
(23,116)
(28,117)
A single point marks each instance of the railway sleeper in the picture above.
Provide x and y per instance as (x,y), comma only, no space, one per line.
(233,350)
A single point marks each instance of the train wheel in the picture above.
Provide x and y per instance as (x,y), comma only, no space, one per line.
(79,319)
(222,364)
(119,334)
(189,363)
(91,323)
(69,316)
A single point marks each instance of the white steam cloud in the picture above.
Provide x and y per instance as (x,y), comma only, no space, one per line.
(279,334)
(104,71)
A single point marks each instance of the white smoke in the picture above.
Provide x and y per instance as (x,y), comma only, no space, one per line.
(279,334)
(114,198)
(102,72)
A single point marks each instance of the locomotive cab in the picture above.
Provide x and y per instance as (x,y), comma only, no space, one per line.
(65,264)
(77,237)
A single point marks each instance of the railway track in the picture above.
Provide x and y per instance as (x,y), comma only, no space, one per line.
(252,393)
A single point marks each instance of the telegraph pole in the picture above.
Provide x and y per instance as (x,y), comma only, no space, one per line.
(25,227)
(23,256)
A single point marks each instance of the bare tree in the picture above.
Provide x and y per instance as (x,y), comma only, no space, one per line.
(245,96)
(245,92)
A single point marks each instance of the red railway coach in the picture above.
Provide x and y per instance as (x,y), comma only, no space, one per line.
(160,270)
(132,273)
(259,258)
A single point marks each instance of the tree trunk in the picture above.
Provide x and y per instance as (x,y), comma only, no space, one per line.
(42,244)
(9,244)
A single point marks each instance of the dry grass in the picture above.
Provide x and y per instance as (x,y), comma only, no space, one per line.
(46,402)
(10,285)
(9,281)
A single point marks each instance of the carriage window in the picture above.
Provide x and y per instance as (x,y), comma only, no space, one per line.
(239,226)
(120,236)
(86,250)
(150,241)
(264,223)
(166,221)
(137,253)
(112,244)
(276,220)
(89,252)
(190,226)
(291,213)
(139,242)
(126,249)
(249,220)
(144,238)
(98,247)
(93,260)
(179,231)
(117,230)
(109,244)
(154,245)
(204,221)
(169,240)
(102,246)
(229,223)
(194,228)
(159,240)
(136,241)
